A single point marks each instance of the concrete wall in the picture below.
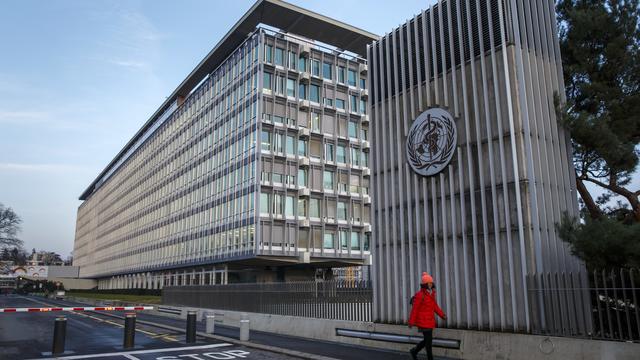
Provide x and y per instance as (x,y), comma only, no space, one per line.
(73,284)
(478,345)
(64,271)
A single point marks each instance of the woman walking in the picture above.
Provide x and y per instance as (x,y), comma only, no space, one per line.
(423,314)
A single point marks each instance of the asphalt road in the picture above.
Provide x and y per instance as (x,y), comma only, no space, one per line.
(94,335)
(29,335)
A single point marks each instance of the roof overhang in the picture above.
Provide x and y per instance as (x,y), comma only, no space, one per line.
(282,15)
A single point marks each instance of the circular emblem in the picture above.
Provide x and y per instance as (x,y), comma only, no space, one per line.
(431,142)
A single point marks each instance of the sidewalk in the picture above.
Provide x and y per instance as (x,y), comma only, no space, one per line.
(315,347)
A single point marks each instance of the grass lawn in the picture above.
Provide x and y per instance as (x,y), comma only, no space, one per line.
(146,299)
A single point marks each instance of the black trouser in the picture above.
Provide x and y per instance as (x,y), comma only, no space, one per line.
(426,343)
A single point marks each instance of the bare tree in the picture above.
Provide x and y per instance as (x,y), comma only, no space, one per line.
(9,227)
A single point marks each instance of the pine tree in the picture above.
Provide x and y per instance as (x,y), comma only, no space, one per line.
(600,47)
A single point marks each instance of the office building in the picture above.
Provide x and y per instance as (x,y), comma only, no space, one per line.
(463,124)
(256,168)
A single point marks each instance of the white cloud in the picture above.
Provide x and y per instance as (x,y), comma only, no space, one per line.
(48,168)
(23,116)
(135,65)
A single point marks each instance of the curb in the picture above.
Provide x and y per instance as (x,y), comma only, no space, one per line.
(249,344)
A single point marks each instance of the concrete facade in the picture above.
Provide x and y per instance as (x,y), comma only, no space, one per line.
(476,345)
(487,221)
(256,169)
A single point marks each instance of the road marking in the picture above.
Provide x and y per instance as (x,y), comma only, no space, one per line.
(131,357)
(125,353)
(165,337)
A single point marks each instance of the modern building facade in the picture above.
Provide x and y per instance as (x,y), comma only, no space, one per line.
(482,74)
(256,168)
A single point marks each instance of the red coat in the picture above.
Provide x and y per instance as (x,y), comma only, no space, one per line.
(424,309)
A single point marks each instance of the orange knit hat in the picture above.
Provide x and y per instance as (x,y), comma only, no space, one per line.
(426,278)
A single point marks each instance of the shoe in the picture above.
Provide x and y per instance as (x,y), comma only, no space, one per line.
(414,354)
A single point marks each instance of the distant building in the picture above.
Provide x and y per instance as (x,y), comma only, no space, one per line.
(256,168)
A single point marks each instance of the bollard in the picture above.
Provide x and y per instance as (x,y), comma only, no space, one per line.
(129,330)
(191,327)
(211,319)
(59,334)
(244,328)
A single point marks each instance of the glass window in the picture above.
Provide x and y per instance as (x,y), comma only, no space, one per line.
(280,85)
(355,240)
(266,82)
(302,177)
(328,152)
(355,156)
(341,71)
(279,56)
(339,103)
(291,87)
(302,207)
(328,102)
(277,204)
(341,154)
(328,240)
(314,208)
(292,60)
(344,240)
(354,103)
(302,91)
(363,107)
(353,129)
(279,142)
(328,180)
(315,67)
(351,78)
(342,210)
(302,63)
(288,208)
(265,203)
(367,240)
(267,53)
(277,178)
(326,71)
(314,93)
(266,140)
(302,147)
(290,147)
(363,83)
(315,121)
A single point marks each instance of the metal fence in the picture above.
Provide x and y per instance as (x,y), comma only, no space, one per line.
(340,300)
(599,304)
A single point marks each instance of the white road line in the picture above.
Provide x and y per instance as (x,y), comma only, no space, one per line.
(130,357)
(125,353)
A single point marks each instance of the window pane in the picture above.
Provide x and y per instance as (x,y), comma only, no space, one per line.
(341,71)
(291,87)
(302,64)
(292,60)
(302,147)
(339,103)
(264,203)
(342,210)
(302,177)
(302,207)
(351,77)
(267,53)
(344,240)
(340,154)
(315,67)
(266,83)
(289,206)
(328,152)
(314,93)
(266,140)
(279,56)
(328,240)
(302,91)
(355,241)
(314,208)
(290,142)
(328,180)
(326,71)
(353,129)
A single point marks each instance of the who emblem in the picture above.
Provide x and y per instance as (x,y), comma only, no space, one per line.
(431,142)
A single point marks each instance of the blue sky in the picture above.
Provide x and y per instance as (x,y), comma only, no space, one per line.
(78,78)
